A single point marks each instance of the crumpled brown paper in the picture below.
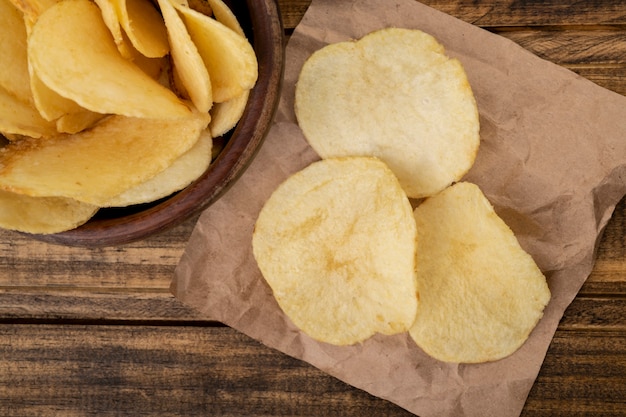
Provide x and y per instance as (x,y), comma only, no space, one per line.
(552,161)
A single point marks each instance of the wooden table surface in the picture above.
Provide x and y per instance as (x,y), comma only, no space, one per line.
(96,331)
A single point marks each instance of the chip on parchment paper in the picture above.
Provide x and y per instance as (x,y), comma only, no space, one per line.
(336,243)
(42,215)
(481,294)
(396,95)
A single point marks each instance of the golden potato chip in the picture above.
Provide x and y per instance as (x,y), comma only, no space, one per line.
(393,94)
(188,64)
(71,50)
(32,9)
(151,66)
(228,56)
(112,22)
(183,171)
(225,16)
(42,215)
(14,68)
(224,116)
(77,121)
(480,293)
(49,103)
(144,26)
(18,117)
(336,243)
(97,164)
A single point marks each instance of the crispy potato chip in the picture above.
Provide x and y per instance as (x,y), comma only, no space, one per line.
(98,164)
(480,293)
(393,94)
(77,121)
(71,50)
(32,9)
(42,215)
(151,66)
(228,56)
(224,116)
(225,15)
(183,171)
(336,243)
(188,64)
(18,117)
(14,68)
(112,22)
(144,26)
(50,105)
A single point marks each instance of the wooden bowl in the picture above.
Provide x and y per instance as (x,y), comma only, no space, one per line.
(262,23)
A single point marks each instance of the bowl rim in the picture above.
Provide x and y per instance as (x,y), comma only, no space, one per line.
(245,140)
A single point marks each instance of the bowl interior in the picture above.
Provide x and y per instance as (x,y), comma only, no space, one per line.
(261,21)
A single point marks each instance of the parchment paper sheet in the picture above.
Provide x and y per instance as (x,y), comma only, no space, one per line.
(552,161)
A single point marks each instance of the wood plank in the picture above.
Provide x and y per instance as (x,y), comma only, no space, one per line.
(604,314)
(94,305)
(512,13)
(602,311)
(129,370)
(584,372)
(25,262)
(609,273)
(292,12)
(138,370)
(494,13)
(611,77)
(572,47)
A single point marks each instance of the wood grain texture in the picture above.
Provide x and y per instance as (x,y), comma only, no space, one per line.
(164,371)
(95,331)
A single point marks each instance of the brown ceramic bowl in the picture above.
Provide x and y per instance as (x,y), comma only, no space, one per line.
(262,23)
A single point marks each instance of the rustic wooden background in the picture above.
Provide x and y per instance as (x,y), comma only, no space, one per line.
(96,331)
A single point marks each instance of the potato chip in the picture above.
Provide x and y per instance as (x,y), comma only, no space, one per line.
(144,26)
(71,50)
(48,103)
(18,117)
(228,56)
(14,68)
(336,243)
(77,121)
(42,215)
(183,171)
(100,163)
(112,22)
(480,293)
(224,116)
(225,16)
(32,9)
(151,66)
(393,94)
(189,67)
